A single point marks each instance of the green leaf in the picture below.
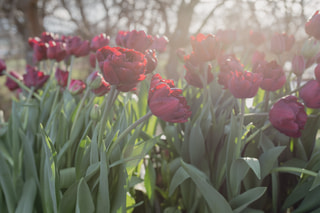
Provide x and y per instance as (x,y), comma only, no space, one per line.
(240,202)
(26,202)
(84,199)
(316,182)
(180,176)
(196,145)
(310,201)
(215,201)
(68,200)
(268,159)
(297,194)
(103,199)
(150,181)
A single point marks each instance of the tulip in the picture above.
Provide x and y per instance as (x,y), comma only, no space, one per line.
(257,38)
(124,68)
(273,76)
(95,112)
(102,90)
(227,37)
(39,49)
(77,47)
(11,84)
(56,50)
(298,65)
(34,78)
(257,59)
(94,80)
(137,40)
(92,59)
(99,41)
(310,94)
(166,102)
(3,67)
(288,116)
(62,77)
(152,61)
(310,48)
(281,42)
(312,26)
(76,86)
(159,43)
(244,84)
(46,37)
(205,47)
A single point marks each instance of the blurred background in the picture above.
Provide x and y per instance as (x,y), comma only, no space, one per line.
(178,20)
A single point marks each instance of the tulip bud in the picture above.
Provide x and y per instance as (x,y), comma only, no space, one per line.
(11,84)
(317,72)
(310,94)
(3,67)
(310,48)
(95,112)
(76,86)
(298,65)
(94,80)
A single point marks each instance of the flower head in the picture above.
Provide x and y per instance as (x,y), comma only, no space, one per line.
(34,77)
(244,84)
(310,94)
(56,50)
(3,66)
(298,65)
(159,43)
(76,86)
(205,47)
(152,60)
(137,40)
(257,38)
(166,102)
(11,84)
(61,77)
(103,89)
(312,26)
(77,47)
(288,116)
(281,42)
(124,68)
(99,41)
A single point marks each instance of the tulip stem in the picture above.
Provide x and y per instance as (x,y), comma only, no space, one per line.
(129,128)
(295,170)
(70,70)
(79,108)
(21,85)
(105,113)
(266,100)
(242,109)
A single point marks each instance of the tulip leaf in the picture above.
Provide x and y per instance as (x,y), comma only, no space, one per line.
(268,159)
(316,182)
(310,201)
(215,201)
(150,181)
(240,202)
(68,200)
(103,199)
(180,176)
(28,196)
(196,145)
(84,199)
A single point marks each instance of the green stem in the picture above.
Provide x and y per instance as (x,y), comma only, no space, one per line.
(70,70)
(105,114)
(79,108)
(243,104)
(25,122)
(266,101)
(21,85)
(295,170)
(258,131)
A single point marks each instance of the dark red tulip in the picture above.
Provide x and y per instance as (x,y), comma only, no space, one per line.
(310,94)
(312,26)
(273,76)
(288,116)
(124,68)
(46,37)
(76,86)
(257,59)
(257,38)
(166,102)
(103,89)
(34,77)
(205,47)
(152,60)
(228,64)
(92,59)
(39,49)
(99,41)
(11,84)
(137,40)
(244,84)
(159,43)
(227,36)
(197,75)
(77,47)
(3,67)
(281,42)
(298,65)
(56,50)
(62,77)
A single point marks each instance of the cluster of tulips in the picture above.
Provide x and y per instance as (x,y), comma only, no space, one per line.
(94,146)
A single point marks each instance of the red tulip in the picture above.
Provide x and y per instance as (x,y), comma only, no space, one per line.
(317,72)
(257,38)
(205,47)
(34,78)
(273,77)
(159,43)
(77,47)
(310,94)
(281,42)
(11,84)
(3,67)
(102,90)
(227,37)
(39,49)
(94,80)
(124,68)
(137,40)
(228,64)
(99,41)
(76,86)
(152,61)
(288,116)
(62,77)
(56,50)
(298,65)
(244,84)
(312,26)
(166,102)
(92,59)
